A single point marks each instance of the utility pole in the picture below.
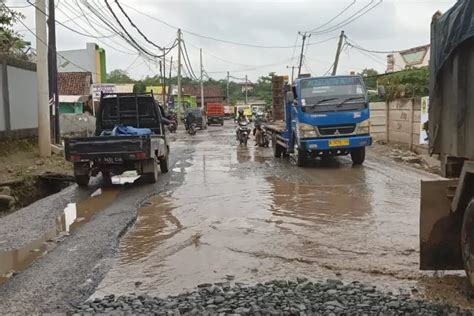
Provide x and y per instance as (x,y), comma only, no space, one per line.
(246,95)
(163,74)
(53,72)
(338,52)
(169,82)
(301,54)
(44,137)
(179,69)
(292,73)
(227,89)
(202,81)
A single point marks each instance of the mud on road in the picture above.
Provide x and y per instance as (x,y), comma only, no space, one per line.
(233,212)
(239,212)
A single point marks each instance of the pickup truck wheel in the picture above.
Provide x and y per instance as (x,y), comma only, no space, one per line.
(82,180)
(358,155)
(152,177)
(467,242)
(164,163)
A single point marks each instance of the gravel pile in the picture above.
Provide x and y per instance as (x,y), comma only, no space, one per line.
(275,297)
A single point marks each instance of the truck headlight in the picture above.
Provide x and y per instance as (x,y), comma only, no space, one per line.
(363,127)
(306,130)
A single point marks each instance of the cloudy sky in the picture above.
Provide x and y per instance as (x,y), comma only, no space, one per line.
(376,25)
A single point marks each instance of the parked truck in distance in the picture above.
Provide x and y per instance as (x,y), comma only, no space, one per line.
(447,205)
(113,154)
(324,116)
(215,113)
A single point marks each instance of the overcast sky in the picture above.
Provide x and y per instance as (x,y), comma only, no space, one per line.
(391,25)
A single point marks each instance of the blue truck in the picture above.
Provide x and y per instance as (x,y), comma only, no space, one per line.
(323,116)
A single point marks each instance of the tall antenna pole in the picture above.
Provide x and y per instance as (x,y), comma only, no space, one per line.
(338,52)
(44,137)
(202,80)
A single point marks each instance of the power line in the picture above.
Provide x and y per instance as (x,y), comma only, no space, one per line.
(335,17)
(205,36)
(350,19)
(369,50)
(187,61)
(139,31)
(60,55)
(65,26)
(127,33)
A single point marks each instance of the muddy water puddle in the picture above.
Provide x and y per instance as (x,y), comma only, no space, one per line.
(73,216)
(231,217)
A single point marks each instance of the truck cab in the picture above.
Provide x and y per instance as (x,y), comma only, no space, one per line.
(327,116)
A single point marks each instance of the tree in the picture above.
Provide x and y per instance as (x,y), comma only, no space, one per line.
(412,82)
(370,77)
(11,42)
(119,76)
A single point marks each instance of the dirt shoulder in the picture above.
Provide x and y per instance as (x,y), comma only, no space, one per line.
(19,159)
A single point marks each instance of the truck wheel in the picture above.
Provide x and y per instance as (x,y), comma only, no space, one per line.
(358,155)
(301,157)
(277,149)
(164,163)
(152,177)
(467,242)
(82,180)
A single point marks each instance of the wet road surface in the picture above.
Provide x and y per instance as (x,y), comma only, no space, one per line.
(240,213)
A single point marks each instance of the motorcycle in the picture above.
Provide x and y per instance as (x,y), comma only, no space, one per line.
(261,136)
(191,129)
(243,133)
(173,127)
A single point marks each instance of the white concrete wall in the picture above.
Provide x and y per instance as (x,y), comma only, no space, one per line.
(23,98)
(78,60)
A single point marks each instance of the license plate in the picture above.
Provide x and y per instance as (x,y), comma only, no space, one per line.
(111,160)
(338,142)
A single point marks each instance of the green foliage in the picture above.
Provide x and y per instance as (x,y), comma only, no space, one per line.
(409,83)
(11,42)
(119,76)
(370,77)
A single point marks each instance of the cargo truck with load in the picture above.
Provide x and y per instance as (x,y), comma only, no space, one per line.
(215,113)
(130,135)
(447,205)
(323,116)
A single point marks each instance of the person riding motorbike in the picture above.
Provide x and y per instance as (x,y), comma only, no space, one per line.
(241,118)
(189,119)
(257,130)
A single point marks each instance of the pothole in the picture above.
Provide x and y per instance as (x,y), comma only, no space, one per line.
(17,194)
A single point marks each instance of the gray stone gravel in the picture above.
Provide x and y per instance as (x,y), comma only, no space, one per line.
(278,297)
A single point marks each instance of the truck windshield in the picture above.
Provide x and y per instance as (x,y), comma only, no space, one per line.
(333,94)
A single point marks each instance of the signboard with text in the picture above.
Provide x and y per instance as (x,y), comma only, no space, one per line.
(97,88)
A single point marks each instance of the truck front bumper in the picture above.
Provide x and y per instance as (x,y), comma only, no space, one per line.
(345,143)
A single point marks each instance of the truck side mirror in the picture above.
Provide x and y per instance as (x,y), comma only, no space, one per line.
(381,91)
(290,97)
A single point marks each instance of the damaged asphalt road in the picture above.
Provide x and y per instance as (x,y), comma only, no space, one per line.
(70,272)
(226,211)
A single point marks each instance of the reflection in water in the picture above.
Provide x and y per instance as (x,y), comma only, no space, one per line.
(155,224)
(262,223)
(74,215)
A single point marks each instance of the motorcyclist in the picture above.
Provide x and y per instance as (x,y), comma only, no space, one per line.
(241,118)
(164,116)
(189,119)
(258,128)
